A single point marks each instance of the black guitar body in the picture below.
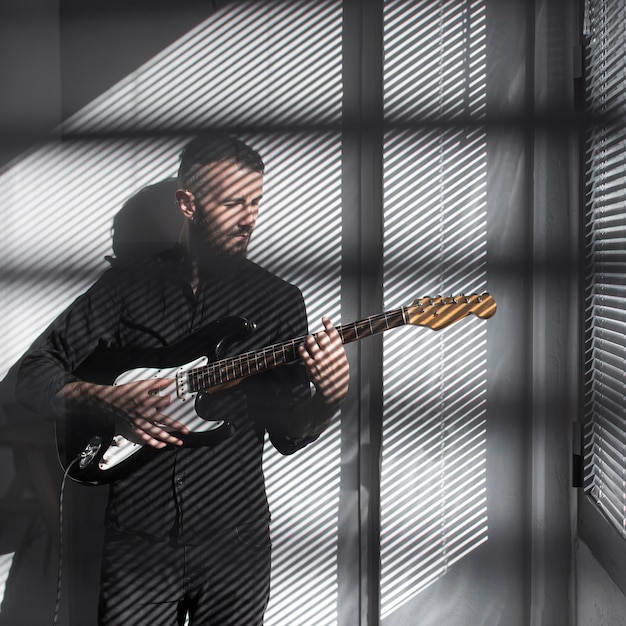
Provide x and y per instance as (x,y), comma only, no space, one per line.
(82,440)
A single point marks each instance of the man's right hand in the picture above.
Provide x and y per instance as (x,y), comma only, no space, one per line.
(136,407)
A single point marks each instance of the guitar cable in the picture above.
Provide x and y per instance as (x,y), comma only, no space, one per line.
(60,566)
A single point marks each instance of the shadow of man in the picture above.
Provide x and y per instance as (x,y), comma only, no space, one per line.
(148,222)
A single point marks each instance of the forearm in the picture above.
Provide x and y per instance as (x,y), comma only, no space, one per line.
(81,396)
(39,379)
(136,407)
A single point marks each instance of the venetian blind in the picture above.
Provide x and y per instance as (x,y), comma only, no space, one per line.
(605,298)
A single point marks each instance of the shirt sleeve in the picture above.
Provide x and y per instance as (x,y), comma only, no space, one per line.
(51,361)
(284,394)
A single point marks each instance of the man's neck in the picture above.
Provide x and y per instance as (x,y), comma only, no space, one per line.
(204,261)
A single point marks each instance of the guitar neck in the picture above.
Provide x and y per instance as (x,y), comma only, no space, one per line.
(435,313)
(373,325)
(232,369)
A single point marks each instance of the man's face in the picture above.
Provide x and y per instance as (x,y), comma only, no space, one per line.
(225,207)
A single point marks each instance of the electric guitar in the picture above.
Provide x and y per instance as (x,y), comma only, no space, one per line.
(90,449)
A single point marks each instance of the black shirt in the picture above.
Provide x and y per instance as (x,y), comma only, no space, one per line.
(187,494)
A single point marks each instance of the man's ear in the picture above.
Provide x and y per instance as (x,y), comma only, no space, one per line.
(185,202)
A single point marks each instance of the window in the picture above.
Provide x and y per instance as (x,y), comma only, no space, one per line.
(603,507)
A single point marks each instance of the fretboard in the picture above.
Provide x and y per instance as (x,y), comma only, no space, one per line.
(241,366)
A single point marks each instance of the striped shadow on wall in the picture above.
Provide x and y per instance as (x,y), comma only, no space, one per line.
(245,65)
(433,488)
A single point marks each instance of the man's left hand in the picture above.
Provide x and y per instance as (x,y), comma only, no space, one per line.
(326,364)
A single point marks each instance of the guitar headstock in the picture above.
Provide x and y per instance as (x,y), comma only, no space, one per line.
(442,311)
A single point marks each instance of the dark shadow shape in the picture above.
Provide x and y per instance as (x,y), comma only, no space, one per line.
(148,222)
(28,510)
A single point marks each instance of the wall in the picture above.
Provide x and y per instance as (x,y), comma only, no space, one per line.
(599,602)
(29,37)
(523,574)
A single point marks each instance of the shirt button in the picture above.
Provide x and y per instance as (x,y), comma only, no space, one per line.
(180,480)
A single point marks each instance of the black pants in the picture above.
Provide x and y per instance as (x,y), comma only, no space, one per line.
(223,582)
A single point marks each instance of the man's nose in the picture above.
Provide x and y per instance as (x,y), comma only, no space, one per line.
(248,215)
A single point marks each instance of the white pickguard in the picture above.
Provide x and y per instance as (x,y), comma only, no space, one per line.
(181,408)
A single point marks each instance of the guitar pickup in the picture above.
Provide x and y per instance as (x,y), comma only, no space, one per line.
(182,385)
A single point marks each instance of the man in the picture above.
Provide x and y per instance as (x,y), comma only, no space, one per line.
(187,531)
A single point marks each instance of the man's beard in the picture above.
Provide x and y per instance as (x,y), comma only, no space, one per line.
(209,242)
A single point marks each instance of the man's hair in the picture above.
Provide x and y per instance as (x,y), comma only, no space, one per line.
(211,148)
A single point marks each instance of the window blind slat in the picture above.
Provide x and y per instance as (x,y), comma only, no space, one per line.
(606,291)
(605,154)
(611,333)
(612,378)
(609,360)
(608,429)
(611,506)
(607,396)
(613,273)
(610,478)
(610,307)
